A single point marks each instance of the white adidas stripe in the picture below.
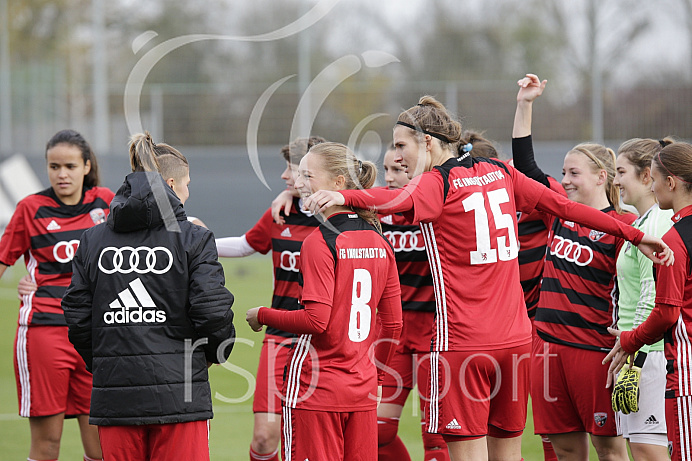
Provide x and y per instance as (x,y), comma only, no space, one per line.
(442,336)
(433,403)
(684,350)
(293,381)
(288,433)
(22,356)
(683,427)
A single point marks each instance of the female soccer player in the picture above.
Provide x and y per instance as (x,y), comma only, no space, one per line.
(671,172)
(148,311)
(467,211)
(350,280)
(52,382)
(411,363)
(577,302)
(284,241)
(645,430)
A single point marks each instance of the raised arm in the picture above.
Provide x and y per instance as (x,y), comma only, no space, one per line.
(530,88)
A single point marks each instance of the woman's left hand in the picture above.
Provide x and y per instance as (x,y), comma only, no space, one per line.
(617,357)
(251,317)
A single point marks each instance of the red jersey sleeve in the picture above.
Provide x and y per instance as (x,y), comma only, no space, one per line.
(314,318)
(670,280)
(15,240)
(424,195)
(259,237)
(661,318)
(530,194)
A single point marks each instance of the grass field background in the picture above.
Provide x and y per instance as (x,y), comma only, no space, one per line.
(249,279)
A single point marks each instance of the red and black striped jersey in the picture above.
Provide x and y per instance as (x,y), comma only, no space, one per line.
(47,232)
(350,267)
(284,241)
(578,298)
(674,288)
(533,242)
(412,262)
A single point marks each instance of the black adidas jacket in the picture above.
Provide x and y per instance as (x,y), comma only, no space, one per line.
(147,309)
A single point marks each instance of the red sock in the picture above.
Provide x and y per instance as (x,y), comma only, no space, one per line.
(435,447)
(548,451)
(254,456)
(390,446)
(441,454)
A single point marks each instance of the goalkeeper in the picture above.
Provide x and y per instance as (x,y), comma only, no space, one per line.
(639,392)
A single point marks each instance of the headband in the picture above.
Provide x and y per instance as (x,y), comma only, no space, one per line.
(421,130)
(667,170)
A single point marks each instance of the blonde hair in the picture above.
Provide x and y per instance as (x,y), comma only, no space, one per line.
(337,159)
(603,158)
(145,155)
(639,152)
(431,117)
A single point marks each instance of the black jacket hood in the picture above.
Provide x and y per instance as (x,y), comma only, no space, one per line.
(144,201)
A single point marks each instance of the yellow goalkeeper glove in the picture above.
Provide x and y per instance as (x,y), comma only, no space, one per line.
(625,397)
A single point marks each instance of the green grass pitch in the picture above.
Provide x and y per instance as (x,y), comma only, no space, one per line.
(249,279)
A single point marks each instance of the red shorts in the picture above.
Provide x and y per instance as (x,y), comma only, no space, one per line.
(478,393)
(188,441)
(411,361)
(317,435)
(568,392)
(679,426)
(270,374)
(51,376)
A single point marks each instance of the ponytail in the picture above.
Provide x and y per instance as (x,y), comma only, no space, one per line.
(337,159)
(431,117)
(142,154)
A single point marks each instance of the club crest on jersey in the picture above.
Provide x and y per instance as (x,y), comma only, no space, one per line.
(595,235)
(98,215)
(600,419)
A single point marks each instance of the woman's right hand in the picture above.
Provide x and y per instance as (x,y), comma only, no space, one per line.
(321,200)
(25,286)
(656,250)
(283,201)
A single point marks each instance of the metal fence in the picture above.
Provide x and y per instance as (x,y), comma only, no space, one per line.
(219,115)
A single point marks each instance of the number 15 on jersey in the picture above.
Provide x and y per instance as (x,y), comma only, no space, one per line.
(507,247)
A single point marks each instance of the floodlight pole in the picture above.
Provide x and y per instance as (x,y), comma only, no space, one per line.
(5,81)
(304,49)
(100,77)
